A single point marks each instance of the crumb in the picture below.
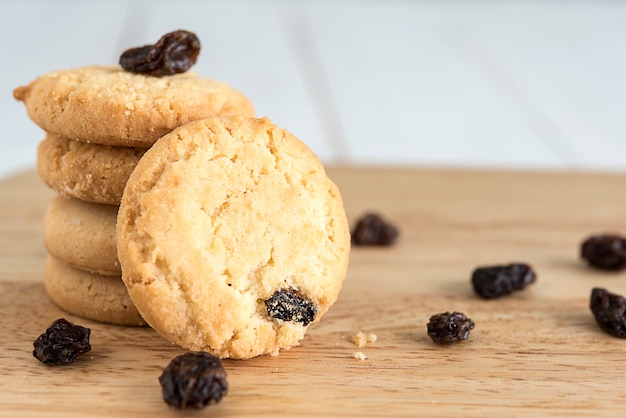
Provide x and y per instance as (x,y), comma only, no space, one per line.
(359,356)
(360,338)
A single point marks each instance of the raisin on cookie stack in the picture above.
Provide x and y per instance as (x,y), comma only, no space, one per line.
(99,121)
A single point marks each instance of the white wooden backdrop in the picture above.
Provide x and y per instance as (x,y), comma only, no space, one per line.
(489,84)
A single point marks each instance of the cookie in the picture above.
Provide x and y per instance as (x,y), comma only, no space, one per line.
(89,172)
(231,237)
(82,234)
(110,106)
(88,295)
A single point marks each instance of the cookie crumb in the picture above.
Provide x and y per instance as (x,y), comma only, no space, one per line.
(359,356)
(360,338)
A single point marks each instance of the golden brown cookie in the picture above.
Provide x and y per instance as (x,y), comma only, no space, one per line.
(90,172)
(89,295)
(82,234)
(110,106)
(231,237)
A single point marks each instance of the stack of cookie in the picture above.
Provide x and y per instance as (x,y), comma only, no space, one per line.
(99,121)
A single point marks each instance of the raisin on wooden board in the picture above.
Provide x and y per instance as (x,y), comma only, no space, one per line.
(174,53)
(605,251)
(62,343)
(609,310)
(193,380)
(372,229)
(496,281)
(449,327)
(288,305)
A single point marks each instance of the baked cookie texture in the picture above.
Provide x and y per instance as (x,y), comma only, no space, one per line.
(110,106)
(82,234)
(89,172)
(219,216)
(89,295)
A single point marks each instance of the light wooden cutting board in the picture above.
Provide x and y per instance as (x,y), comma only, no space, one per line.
(538,352)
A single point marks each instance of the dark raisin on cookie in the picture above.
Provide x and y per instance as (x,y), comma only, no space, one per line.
(62,343)
(289,305)
(605,251)
(372,229)
(174,53)
(449,327)
(193,380)
(499,280)
(609,310)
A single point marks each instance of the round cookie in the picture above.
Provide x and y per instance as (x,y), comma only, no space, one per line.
(89,172)
(89,295)
(82,234)
(110,106)
(232,238)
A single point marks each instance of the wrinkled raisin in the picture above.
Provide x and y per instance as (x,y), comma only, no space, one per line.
(449,328)
(609,310)
(288,305)
(62,343)
(174,53)
(495,281)
(193,380)
(605,251)
(372,229)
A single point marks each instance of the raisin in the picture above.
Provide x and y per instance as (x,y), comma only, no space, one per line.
(495,281)
(174,53)
(371,229)
(605,251)
(62,343)
(609,310)
(193,380)
(288,305)
(449,328)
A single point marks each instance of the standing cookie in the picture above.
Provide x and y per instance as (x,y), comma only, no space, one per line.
(231,237)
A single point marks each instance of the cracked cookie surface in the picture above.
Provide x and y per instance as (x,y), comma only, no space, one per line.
(220,216)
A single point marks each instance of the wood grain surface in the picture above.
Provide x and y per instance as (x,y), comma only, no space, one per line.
(537,352)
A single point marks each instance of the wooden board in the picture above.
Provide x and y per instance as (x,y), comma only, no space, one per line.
(537,352)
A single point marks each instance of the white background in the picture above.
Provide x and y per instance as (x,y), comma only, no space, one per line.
(532,85)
